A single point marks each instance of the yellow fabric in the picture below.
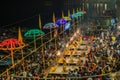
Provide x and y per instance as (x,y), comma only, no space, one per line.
(52,69)
(40,25)
(60,60)
(62,14)
(53,17)
(113,38)
(20,35)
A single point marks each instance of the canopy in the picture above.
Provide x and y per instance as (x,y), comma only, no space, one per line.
(67,18)
(67,25)
(11,44)
(61,21)
(84,12)
(73,16)
(79,13)
(33,33)
(50,25)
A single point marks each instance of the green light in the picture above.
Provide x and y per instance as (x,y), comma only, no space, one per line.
(33,33)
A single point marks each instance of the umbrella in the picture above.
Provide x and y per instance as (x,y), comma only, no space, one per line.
(33,33)
(67,25)
(79,13)
(11,44)
(50,25)
(61,22)
(67,18)
(75,15)
(84,12)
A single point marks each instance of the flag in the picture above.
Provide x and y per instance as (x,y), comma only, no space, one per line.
(77,9)
(62,14)
(68,13)
(40,25)
(73,11)
(20,34)
(53,17)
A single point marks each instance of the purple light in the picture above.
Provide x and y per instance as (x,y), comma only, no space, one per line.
(61,22)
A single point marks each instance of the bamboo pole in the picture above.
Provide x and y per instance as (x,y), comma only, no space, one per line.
(12,55)
(34,43)
(50,34)
(55,35)
(43,57)
(8,76)
(63,30)
(23,65)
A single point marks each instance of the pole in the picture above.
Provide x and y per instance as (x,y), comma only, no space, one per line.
(63,30)
(55,36)
(34,43)
(43,57)
(8,76)
(23,60)
(12,55)
(50,34)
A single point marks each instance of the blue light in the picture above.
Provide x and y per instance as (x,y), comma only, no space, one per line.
(61,22)
(112,21)
(67,25)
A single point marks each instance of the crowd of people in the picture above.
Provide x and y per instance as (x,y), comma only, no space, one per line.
(102,59)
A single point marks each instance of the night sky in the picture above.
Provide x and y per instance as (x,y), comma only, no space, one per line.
(16,10)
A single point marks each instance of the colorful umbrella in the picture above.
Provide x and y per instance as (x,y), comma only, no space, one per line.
(50,26)
(73,16)
(67,25)
(79,13)
(61,22)
(11,44)
(67,18)
(33,33)
(84,12)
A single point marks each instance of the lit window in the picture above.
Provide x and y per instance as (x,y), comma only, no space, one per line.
(106,6)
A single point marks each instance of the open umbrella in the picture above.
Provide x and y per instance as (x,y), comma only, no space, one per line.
(73,16)
(67,25)
(33,33)
(67,18)
(79,13)
(84,12)
(61,22)
(11,44)
(50,25)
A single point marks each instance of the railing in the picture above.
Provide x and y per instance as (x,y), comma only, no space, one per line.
(6,74)
(108,76)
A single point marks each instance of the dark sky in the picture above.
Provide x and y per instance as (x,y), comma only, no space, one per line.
(15,10)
